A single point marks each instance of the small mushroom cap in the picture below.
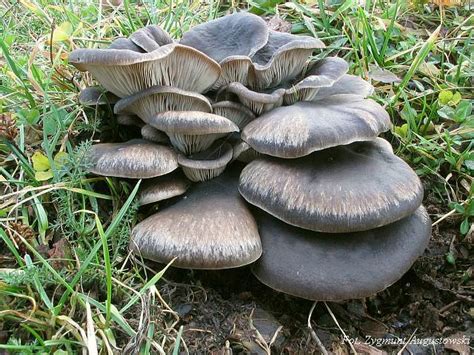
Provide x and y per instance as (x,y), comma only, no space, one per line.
(154,135)
(234,111)
(95,96)
(335,267)
(126,72)
(125,43)
(239,34)
(349,188)
(151,38)
(208,164)
(135,159)
(281,59)
(211,228)
(163,188)
(192,123)
(300,129)
(155,99)
(130,120)
(348,85)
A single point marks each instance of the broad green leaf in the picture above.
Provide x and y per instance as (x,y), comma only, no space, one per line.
(62,32)
(40,162)
(43,175)
(445,96)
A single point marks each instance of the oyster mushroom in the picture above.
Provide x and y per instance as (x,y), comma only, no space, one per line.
(234,111)
(305,127)
(135,159)
(150,38)
(147,103)
(334,267)
(95,96)
(154,135)
(162,188)
(192,131)
(350,188)
(126,72)
(207,164)
(304,87)
(211,228)
(130,120)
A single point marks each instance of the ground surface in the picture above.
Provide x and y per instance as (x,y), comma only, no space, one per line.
(65,273)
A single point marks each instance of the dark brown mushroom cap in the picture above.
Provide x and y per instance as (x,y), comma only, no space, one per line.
(136,159)
(349,188)
(300,129)
(125,72)
(155,99)
(150,38)
(210,228)
(192,123)
(95,96)
(162,188)
(334,267)
(239,34)
(234,111)
(348,85)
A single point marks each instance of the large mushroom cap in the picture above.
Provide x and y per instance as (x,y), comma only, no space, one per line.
(211,228)
(126,72)
(331,267)
(136,159)
(300,129)
(349,188)
(146,103)
(239,34)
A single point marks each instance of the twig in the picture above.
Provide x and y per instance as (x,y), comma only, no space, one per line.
(342,330)
(313,333)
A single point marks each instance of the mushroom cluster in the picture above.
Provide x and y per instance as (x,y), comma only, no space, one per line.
(280,161)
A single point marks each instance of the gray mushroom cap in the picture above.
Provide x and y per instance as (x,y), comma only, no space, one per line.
(234,111)
(162,188)
(155,99)
(348,86)
(136,159)
(334,267)
(154,135)
(239,34)
(150,38)
(125,43)
(207,164)
(130,120)
(300,129)
(95,96)
(211,228)
(192,131)
(305,87)
(350,188)
(126,72)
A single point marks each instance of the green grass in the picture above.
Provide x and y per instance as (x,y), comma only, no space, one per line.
(92,285)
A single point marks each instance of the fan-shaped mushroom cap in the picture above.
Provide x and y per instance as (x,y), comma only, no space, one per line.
(243,152)
(95,96)
(136,159)
(239,34)
(192,131)
(154,135)
(208,164)
(332,267)
(349,85)
(234,111)
(147,103)
(150,38)
(300,129)
(125,43)
(211,228)
(163,188)
(125,72)
(130,120)
(281,59)
(343,189)
(304,87)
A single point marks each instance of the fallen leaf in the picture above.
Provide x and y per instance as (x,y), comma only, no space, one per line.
(383,75)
